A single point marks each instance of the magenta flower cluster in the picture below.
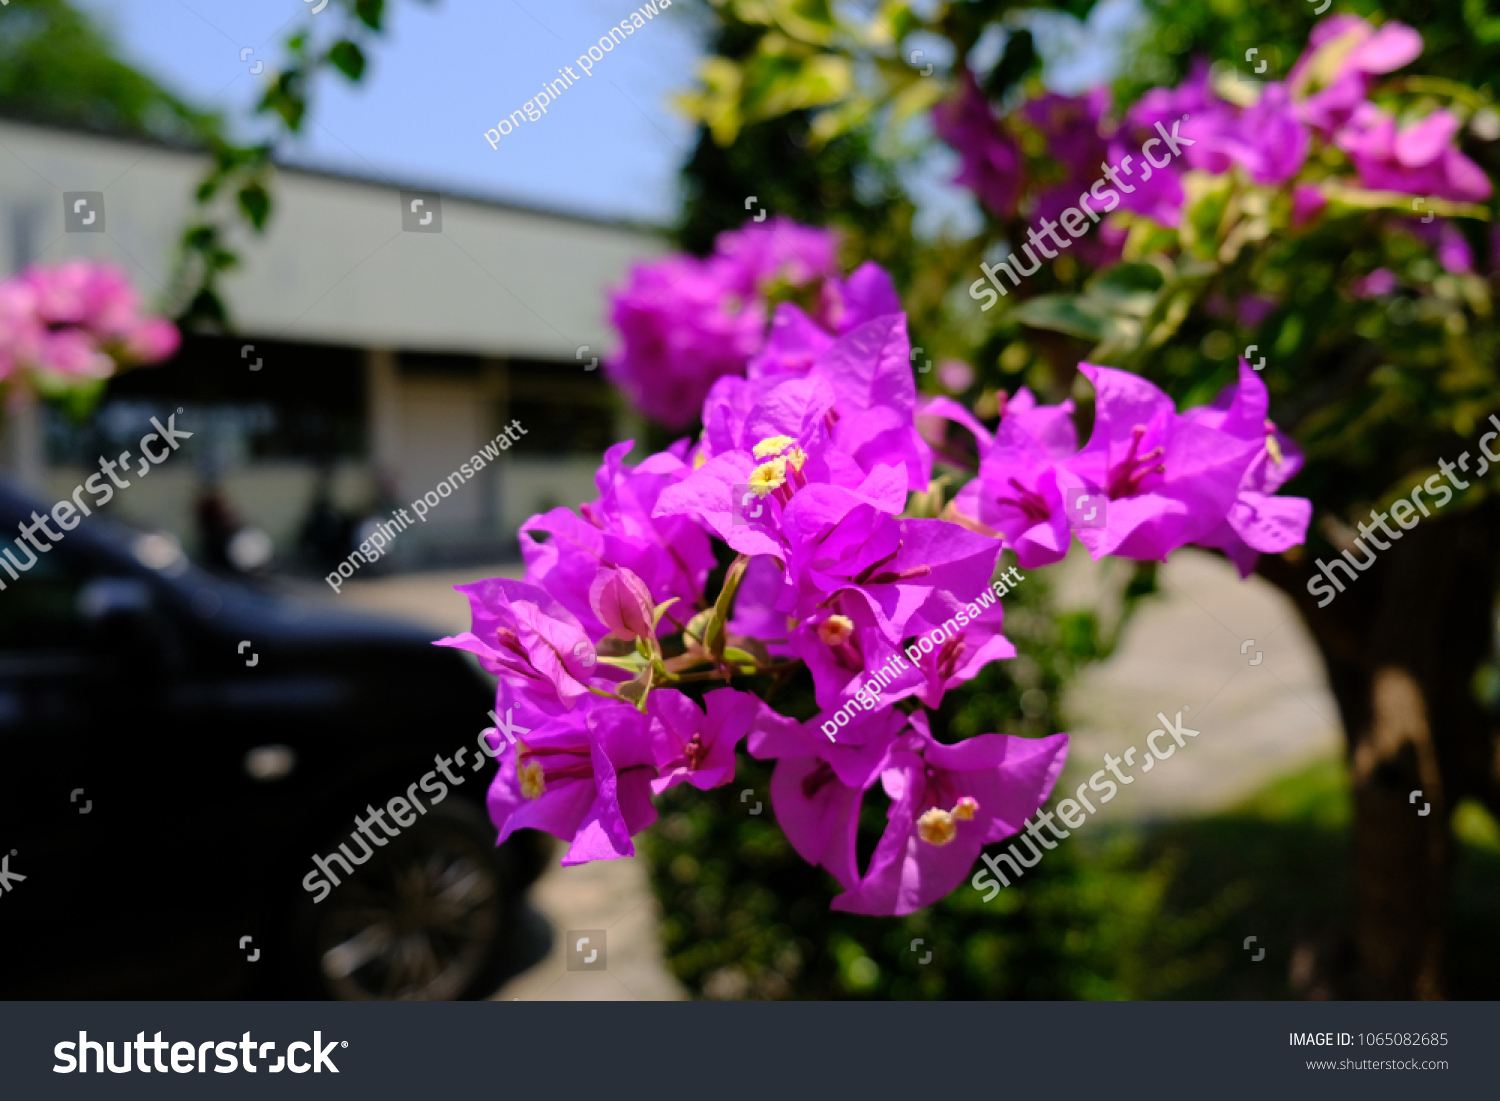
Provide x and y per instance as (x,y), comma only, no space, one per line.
(1323,104)
(685,322)
(78,321)
(810,469)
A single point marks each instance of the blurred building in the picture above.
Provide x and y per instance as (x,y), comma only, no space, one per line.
(376,355)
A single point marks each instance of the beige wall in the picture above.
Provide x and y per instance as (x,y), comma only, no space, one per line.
(335,265)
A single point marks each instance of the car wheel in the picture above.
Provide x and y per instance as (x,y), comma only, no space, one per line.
(424,919)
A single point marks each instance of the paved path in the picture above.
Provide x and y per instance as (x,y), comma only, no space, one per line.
(1181,651)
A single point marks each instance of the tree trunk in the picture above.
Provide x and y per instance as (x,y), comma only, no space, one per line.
(1401,645)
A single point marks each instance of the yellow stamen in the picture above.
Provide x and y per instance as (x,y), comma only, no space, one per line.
(835,629)
(773,445)
(533,780)
(796,457)
(936,827)
(767,477)
(964,809)
(1274,448)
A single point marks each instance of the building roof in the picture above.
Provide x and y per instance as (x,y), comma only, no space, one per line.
(335,264)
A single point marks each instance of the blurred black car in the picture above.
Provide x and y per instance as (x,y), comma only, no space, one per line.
(175,749)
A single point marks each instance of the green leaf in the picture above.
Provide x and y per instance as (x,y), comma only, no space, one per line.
(200,237)
(1018,62)
(370,12)
(286,98)
(1127,279)
(348,57)
(255,202)
(1060,313)
(633,663)
(735,656)
(661,610)
(206,310)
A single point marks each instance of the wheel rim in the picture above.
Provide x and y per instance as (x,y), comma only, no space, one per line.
(417,922)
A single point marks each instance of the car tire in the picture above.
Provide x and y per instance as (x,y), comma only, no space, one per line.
(427,917)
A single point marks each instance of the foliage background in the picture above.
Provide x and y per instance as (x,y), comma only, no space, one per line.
(1376,392)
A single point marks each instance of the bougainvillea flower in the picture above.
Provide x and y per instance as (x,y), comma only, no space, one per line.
(672,555)
(1017,495)
(817,786)
(1258,522)
(685,322)
(765,457)
(964,638)
(935,414)
(682,325)
(875,398)
(1269,140)
(1073,127)
(762,458)
(894,564)
(1419,159)
(622,603)
(79,319)
(947,803)
(793,345)
(1199,115)
(691,746)
(531,642)
(1168,480)
(584,778)
(1194,98)
(990,158)
(20,332)
(1307,203)
(1451,245)
(870,404)
(1374,284)
(760,254)
(1332,77)
(1160,197)
(843,645)
(868,293)
(1051,425)
(796,341)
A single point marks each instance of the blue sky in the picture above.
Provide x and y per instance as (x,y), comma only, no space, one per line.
(440,76)
(445,72)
